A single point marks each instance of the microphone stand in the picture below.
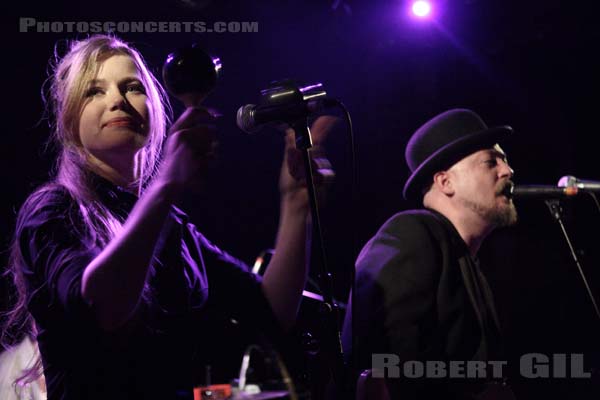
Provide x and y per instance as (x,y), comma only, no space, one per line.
(328,308)
(556,212)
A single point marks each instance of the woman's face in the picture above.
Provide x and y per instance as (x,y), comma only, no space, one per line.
(113,124)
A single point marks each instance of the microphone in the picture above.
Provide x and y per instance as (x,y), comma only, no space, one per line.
(283,102)
(251,118)
(583,184)
(543,191)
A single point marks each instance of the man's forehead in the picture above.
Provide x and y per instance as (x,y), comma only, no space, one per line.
(499,149)
(494,150)
(477,156)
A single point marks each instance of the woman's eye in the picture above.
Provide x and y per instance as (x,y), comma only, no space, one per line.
(491,163)
(93,91)
(136,87)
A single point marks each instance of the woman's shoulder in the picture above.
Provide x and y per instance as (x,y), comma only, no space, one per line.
(48,200)
(50,192)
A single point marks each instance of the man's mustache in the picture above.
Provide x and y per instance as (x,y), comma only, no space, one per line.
(507,189)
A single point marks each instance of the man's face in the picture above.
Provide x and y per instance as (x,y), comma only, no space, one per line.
(479,182)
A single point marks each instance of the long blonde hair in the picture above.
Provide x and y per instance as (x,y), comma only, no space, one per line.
(71,76)
(68,85)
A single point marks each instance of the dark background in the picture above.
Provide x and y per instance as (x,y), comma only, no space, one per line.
(532,65)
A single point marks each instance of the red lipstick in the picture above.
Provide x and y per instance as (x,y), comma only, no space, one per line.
(121,121)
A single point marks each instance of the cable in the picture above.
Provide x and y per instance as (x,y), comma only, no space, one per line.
(595,199)
(283,371)
(353,180)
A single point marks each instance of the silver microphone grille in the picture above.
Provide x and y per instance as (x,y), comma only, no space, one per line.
(566,181)
(245,118)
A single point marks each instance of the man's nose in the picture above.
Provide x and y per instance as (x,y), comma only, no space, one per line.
(506,170)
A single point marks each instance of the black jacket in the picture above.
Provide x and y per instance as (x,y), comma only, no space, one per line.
(421,296)
(193,290)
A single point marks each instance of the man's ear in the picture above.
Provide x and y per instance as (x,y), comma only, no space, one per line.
(443,182)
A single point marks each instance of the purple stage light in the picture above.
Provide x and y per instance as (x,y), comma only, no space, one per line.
(421,8)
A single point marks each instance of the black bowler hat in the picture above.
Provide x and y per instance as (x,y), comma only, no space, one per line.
(443,141)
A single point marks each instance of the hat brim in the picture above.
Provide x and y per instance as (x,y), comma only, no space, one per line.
(449,154)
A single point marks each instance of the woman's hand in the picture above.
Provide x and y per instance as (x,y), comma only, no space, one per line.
(292,180)
(190,148)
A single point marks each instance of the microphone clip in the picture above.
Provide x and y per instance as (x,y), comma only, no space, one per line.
(284,102)
(287,91)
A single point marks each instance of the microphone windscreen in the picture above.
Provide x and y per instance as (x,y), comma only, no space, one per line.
(245,119)
(566,181)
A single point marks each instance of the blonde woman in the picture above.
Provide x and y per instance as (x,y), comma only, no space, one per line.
(114,277)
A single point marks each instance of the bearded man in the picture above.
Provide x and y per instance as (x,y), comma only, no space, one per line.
(420,301)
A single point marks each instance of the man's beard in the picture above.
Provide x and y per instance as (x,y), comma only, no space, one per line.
(497,216)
